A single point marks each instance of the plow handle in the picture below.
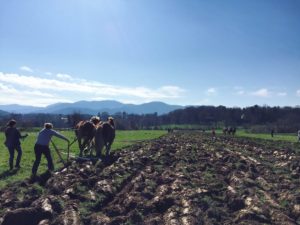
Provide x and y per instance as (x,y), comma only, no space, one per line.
(58,153)
(69,145)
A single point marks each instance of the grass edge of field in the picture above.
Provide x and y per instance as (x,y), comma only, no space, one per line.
(123,139)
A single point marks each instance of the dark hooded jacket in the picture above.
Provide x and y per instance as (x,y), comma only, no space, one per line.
(13,136)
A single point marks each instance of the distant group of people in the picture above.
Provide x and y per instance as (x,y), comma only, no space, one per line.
(41,147)
(232,131)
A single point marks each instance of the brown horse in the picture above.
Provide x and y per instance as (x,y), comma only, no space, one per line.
(104,136)
(97,133)
(85,130)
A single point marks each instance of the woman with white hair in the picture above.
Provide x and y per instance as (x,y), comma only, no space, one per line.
(42,147)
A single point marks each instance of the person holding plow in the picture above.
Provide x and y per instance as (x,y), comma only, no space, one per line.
(42,147)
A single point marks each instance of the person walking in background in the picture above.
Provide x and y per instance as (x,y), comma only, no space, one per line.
(299,135)
(213,132)
(12,142)
(42,147)
(272,133)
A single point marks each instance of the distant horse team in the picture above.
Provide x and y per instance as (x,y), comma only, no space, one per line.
(95,133)
(229,130)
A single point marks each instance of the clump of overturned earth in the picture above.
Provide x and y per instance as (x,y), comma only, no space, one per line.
(180,178)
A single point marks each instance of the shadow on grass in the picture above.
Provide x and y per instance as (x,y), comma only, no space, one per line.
(8,173)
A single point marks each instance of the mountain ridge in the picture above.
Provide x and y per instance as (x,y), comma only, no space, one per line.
(94,107)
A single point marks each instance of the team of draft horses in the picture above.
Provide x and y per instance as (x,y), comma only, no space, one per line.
(92,133)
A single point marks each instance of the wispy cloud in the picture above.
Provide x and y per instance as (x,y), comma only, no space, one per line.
(63,76)
(11,95)
(298,92)
(239,90)
(263,92)
(281,94)
(26,68)
(12,91)
(66,85)
(211,91)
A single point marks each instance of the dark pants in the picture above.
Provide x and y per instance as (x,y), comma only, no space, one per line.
(11,150)
(39,150)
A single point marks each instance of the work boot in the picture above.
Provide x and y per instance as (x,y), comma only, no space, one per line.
(32,178)
(11,166)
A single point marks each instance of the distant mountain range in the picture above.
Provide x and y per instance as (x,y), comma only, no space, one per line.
(3,113)
(92,107)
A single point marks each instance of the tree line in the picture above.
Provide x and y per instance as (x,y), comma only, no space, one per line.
(256,118)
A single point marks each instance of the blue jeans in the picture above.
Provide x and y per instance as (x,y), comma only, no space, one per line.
(11,150)
(39,150)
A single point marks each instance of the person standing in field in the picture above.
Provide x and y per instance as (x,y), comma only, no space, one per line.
(42,147)
(213,132)
(12,142)
(272,133)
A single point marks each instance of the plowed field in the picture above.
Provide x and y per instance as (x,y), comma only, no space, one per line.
(180,178)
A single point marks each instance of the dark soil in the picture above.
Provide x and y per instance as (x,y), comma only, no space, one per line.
(181,178)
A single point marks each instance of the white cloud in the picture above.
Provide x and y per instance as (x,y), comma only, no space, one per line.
(241,92)
(8,90)
(11,95)
(281,94)
(65,85)
(170,91)
(262,93)
(26,68)
(48,73)
(64,76)
(298,92)
(211,91)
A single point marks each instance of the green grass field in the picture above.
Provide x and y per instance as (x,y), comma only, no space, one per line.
(123,139)
(277,137)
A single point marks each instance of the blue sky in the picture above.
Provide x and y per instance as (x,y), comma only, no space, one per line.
(232,53)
